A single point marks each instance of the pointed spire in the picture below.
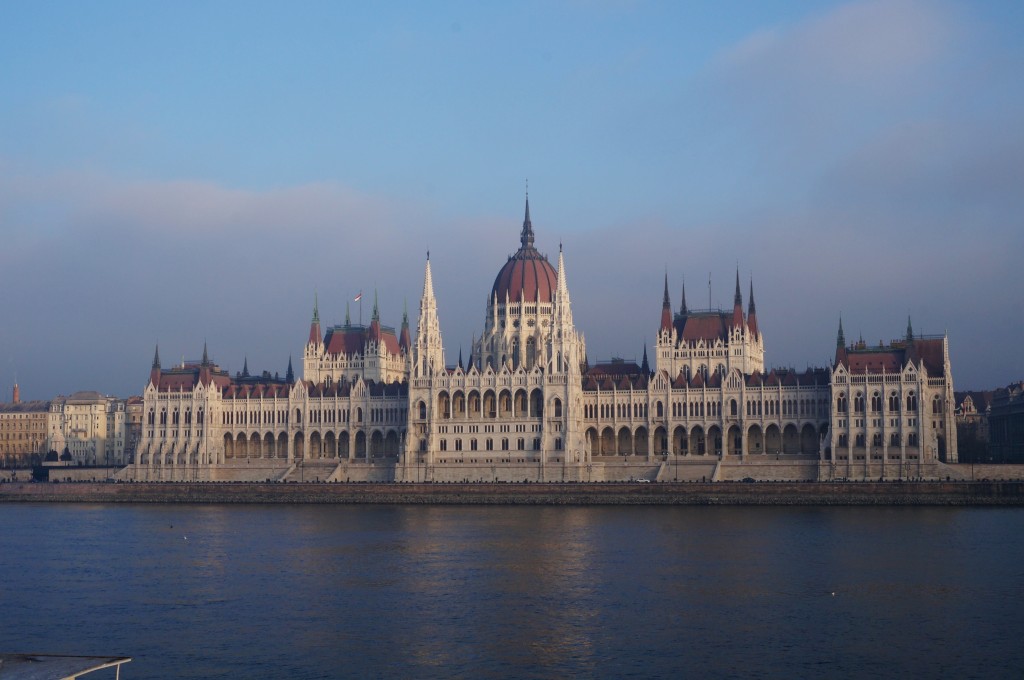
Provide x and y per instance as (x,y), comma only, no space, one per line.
(841,338)
(752,311)
(666,308)
(245,367)
(314,325)
(376,311)
(645,366)
(682,306)
(460,356)
(428,280)
(348,316)
(526,236)
(289,376)
(156,357)
(206,357)
(737,306)
(910,330)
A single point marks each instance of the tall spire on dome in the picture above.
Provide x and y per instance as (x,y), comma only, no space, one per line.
(666,308)
(526,236)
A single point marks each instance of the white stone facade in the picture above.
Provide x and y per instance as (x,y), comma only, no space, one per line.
(376,404)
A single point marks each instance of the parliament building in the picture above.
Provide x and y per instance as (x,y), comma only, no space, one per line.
(376,404)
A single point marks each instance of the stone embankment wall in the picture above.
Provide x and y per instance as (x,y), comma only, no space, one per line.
(652,493)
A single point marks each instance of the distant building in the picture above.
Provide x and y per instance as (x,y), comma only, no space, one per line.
(374,403)
(972,429)
(133,427)
(90,427)
(22,431)
(1006,424)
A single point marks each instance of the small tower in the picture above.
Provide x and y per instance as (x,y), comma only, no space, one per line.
(429,350)
(154,373)
(737,304)
(16,394)
(666,309)
(752,313)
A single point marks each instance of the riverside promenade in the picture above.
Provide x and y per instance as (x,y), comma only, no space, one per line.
(983,493)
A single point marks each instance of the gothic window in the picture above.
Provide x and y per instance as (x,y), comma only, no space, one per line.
(423,445)
(860,440)
(936,405)
(658,410)
(558,408)
(732,407)
(423,411)
(876,403)
(876,439)
(894,402)
(912,402)
(444,444)
(894,439)
(858,403)
(842,440)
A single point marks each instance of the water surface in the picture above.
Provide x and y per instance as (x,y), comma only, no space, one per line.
(496,592)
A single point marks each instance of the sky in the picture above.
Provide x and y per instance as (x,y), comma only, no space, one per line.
(190,172)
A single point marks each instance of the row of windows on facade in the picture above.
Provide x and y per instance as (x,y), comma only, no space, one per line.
(489,444)
(518,406)
(280,417)
(842,403)
(876,440)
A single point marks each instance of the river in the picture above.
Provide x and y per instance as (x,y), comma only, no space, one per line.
(526,592)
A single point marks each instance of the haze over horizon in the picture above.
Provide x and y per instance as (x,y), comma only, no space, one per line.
(198,172)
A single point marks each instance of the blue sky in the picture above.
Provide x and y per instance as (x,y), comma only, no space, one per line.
(187,171)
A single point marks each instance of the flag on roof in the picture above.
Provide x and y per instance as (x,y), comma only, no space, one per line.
(359,297)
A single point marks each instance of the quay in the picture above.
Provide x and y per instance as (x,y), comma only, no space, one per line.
(950,493)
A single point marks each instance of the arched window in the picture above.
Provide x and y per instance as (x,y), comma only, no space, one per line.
(936,405)
(858,403)
(912,402)
(876,402)
(732,407)
(423,411)
(558,408)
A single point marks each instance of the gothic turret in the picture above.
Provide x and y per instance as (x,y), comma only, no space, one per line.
(737,304)
(429,349)
(315,338)
(154,373)
(404,341)
(910,330)
(666,309)
(752,313)
(289,376)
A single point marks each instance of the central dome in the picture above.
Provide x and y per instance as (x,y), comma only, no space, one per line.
(527,276)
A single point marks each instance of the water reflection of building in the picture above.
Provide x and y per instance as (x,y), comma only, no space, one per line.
(375,403)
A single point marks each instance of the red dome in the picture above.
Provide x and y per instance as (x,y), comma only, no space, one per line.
(527,276)
(524,277)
